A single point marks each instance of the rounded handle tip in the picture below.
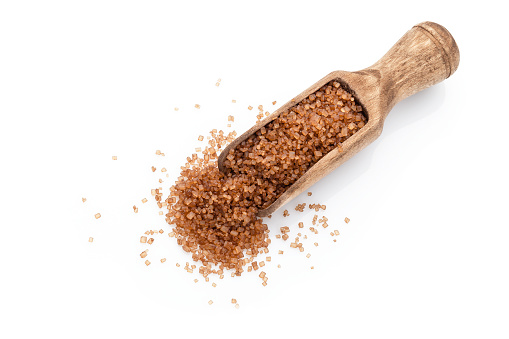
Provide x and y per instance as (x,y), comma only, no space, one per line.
(445,42)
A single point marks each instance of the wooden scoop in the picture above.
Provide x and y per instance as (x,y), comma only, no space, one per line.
(426,55)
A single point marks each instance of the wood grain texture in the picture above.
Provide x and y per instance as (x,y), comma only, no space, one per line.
(426,55)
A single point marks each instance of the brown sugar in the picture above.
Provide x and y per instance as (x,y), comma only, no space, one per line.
(214,214)
(283,150)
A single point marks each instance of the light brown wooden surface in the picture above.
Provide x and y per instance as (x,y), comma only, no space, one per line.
(426,55)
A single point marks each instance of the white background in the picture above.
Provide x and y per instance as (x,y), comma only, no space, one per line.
(426,254)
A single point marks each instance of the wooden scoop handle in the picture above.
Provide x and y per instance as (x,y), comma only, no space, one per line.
(426,55)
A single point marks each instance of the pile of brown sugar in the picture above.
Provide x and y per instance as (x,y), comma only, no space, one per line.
(214,213)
